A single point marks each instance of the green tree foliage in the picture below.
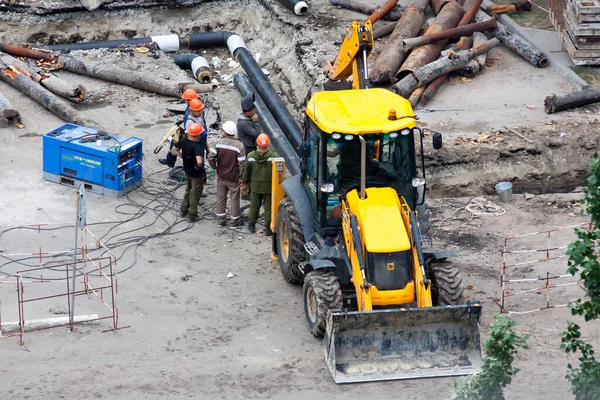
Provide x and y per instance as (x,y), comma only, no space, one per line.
(583,261)
(497,372)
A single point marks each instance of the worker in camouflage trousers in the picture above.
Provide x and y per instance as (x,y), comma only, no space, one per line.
(257,179)
(227,157)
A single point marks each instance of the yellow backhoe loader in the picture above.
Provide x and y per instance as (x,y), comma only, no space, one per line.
(345,227)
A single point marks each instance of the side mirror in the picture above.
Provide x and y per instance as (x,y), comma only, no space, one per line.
(437,141)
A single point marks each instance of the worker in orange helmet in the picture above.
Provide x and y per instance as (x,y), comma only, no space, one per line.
(191,149)
(188,96)
(257,180)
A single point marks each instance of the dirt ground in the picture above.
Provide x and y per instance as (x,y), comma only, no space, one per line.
(194,332)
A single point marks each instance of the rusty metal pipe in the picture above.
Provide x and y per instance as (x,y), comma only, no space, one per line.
(448,18)
(431,71)
(476,64)
(391,57)
(380,32)
(382,11)
(393,15)
(463,43)
(465,30)
(25,52)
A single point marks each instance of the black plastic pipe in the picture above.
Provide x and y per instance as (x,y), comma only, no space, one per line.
(197,64)
(267,121)
(299,7)
(236,46)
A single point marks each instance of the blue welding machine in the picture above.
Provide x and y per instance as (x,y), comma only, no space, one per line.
(104,163)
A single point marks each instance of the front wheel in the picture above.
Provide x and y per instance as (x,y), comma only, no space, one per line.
(290,242)
(446,284)
(322,293)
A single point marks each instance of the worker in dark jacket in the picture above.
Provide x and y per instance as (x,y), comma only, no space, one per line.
(188,95)
(191,149)
(257,178)
(247,124)
(227,157)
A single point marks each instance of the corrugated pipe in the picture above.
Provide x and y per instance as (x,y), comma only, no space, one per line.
(237,48)
(198,64)
(297,6)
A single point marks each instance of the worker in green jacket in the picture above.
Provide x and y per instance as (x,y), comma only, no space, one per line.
(257,179)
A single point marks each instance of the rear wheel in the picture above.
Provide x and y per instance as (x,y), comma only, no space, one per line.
(446,284)
(322,293)
(290,242)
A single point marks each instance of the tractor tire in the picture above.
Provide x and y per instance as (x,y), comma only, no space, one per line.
(446,284)
(290,242)
(322,293)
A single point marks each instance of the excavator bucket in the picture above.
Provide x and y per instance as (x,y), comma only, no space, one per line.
(363,346)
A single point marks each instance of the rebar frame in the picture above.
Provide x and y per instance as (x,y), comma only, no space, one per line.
(104,285)
(548,281)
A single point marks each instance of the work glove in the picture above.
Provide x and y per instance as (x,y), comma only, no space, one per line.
(245,190)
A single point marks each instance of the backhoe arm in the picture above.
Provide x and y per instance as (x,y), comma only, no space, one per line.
(351,59)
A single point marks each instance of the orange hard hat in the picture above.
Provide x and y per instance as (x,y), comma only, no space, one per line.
(263,140)
(196,105)
(189,94)
(195,129)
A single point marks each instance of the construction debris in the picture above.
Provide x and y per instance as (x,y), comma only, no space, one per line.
(448,18)
(581,32)
(431,71)
(463,43)
(41,95)
(382,11)
(509,8)
(382,31)
(477,64)
(393,15)
(518,134)
(70,91)
(392,56)
(7,113)
(139,80)
(554,103)
(459,31)
(42,7)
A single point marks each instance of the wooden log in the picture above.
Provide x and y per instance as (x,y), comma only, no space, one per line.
(516,43)
(448,18)
(389,60)
(43,96)
(477,64)
(442,66)
(70,91)
(394,14)
(553,104)
(7,111)
(139,80)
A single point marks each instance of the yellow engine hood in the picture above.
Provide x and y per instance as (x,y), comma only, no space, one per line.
(380,220)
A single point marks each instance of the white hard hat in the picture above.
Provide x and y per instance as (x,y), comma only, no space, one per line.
(230,128)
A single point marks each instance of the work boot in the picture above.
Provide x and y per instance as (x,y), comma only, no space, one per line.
(182,213)
(268,232)
(236,224)
(193,218)
(164,161)
(251,228)
(221,224)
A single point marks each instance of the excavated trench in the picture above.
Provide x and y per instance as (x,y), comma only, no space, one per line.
(292,51)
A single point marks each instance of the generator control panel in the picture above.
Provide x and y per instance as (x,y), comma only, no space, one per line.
(105,163)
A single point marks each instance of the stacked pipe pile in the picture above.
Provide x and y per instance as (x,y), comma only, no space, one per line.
(456,41)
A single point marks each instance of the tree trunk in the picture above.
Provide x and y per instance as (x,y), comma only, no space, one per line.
(69,91)
(555,103)
(44,97)
(443,66)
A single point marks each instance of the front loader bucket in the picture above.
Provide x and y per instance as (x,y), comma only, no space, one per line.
(363,346)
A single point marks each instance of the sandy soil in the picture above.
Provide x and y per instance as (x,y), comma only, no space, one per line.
(196,333)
